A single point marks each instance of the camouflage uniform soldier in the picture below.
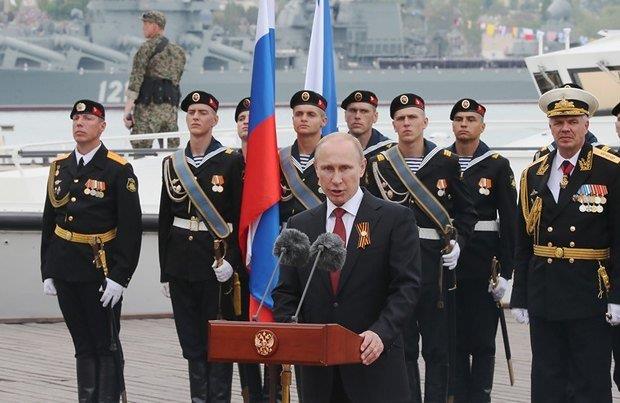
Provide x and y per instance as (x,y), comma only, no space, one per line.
(153,92)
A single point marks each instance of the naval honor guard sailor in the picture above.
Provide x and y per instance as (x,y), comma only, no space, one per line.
(91,236)
(426,178)
(361,114)
(198,250)
(566,260)
(493,191)
(300,185)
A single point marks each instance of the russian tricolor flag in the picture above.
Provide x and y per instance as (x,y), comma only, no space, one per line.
(320,70)
(260,216)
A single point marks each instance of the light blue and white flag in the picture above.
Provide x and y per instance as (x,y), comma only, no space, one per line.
(320,70)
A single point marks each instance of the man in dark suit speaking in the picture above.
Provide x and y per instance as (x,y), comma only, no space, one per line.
(375,291)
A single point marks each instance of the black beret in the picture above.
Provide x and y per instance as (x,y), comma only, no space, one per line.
(616,110)
(84,106)
(403,101)
(307,97)
(199,97)
(242,106)
(368,97)
(467,105)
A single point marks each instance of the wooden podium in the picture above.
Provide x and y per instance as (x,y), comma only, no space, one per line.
(283,343)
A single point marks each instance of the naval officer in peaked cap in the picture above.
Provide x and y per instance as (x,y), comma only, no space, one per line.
(566,261)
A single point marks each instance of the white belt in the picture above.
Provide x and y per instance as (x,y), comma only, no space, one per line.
(192,225)
(487,226)
(429,233)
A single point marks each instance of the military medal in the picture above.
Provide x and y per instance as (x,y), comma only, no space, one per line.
(363,230)
(485,184)
(87,186)
(442,184)
(217,181)
(564,181)
(101,189)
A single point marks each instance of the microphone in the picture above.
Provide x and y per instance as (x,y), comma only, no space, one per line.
(292,247)
(329,254)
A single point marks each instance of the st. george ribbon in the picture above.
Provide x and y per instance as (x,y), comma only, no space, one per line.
(329,255)
(292,247)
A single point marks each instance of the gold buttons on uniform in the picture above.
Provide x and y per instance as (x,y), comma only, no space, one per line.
(550,244)
(571,260)
(572,228)
(190,238)
(572,244)
(549,229)
(70,218)
(73,199)
(549,260)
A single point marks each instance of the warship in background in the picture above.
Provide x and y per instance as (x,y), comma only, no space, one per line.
(92,57)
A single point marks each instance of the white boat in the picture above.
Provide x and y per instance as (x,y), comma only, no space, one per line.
(594,66)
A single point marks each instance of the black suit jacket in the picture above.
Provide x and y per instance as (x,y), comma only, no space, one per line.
(378,290)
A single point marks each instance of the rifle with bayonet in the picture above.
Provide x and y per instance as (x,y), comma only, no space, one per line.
(502,320)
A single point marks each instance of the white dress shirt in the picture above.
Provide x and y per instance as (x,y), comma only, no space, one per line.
(88,156)
(555,176)
(351,207)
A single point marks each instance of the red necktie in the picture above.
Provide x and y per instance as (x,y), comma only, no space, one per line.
(567,167)
(339,230)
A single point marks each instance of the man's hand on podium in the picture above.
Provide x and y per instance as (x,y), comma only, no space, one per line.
(371,348)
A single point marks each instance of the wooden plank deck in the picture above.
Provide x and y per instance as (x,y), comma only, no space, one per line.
(37,364)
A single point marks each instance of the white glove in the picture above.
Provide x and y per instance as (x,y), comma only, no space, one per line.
(613,314)
(521,315)
(450,259)
(113,292)
(165,289)
(500,288)
(48,287)
(223,272)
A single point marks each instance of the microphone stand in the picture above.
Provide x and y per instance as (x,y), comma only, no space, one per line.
(271,368)
(273,276)
(295,318)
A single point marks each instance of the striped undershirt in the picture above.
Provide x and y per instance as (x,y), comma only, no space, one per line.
(463,162)
(303,160)
(413,163)
(197,159)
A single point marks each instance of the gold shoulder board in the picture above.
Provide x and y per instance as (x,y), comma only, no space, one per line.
(537,161)
(607,155)
(61,157)
(115,157)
